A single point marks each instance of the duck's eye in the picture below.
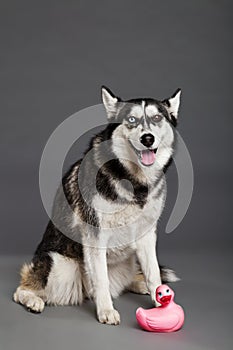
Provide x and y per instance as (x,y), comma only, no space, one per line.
(167,290)
(132,119)
(160,294)
(156,118)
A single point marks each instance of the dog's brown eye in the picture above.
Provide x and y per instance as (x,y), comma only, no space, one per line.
(156,118)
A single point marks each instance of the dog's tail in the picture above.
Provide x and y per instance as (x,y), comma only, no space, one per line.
(168,275)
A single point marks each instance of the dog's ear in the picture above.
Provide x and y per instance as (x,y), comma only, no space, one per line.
(172,104)
(110,101)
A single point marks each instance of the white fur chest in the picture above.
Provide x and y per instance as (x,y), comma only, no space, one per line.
(123,223)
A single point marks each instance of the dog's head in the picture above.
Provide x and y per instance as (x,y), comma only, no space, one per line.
(145,127)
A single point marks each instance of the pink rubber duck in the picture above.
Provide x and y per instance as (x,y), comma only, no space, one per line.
(169,317)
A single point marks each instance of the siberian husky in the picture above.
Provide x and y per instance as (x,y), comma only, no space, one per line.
(114,223)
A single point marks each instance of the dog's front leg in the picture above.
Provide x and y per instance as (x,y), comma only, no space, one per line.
(96,265)
(146,253)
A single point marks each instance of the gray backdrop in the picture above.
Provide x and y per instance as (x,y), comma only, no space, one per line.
(55,55)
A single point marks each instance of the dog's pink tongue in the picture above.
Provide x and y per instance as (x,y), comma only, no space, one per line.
(148,157)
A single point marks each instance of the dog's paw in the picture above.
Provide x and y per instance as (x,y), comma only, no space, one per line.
(109,317)
(27,298)
(35,305)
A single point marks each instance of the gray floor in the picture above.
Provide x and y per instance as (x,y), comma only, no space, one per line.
(206,295)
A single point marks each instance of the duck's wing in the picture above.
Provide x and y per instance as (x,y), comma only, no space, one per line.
(163,321)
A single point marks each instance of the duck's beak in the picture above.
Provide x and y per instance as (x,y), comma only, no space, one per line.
(166,299)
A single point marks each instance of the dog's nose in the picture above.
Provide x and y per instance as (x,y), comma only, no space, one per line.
(147,140)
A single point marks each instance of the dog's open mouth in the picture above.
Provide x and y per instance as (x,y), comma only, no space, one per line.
(147,156)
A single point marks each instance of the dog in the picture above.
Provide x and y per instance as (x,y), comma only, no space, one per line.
(111,244)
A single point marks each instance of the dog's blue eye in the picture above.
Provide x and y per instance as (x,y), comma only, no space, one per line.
(131,119)
(160,294)
(167,291)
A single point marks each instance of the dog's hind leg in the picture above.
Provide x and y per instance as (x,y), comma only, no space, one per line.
(30,292)
(51,278)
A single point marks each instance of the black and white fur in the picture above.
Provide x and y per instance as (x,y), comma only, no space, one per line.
(65,272)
